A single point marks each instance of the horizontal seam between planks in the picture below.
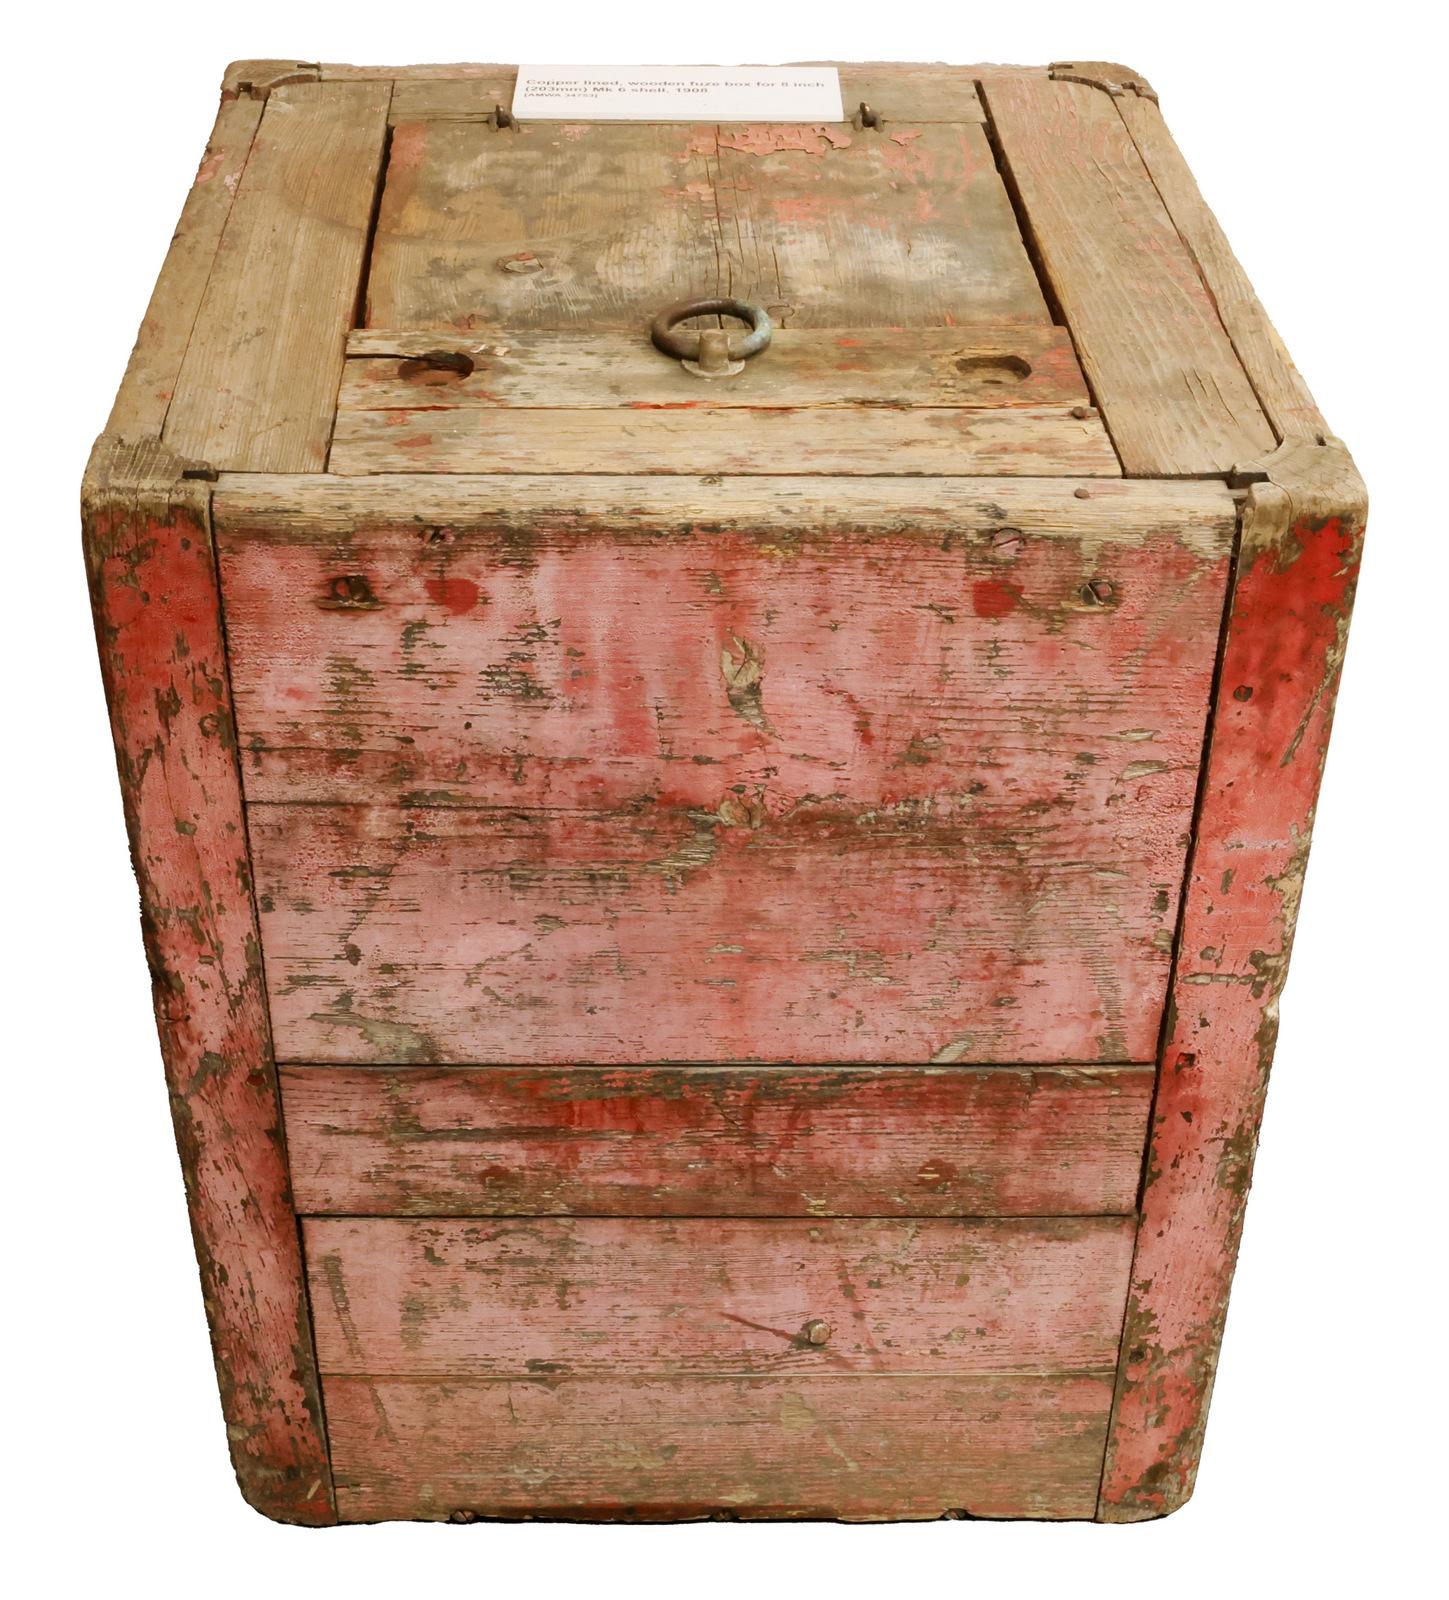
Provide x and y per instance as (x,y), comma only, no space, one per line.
(1084,1068)
(802,1218)
(641,1375)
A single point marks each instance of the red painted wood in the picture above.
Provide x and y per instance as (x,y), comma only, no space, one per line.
(1020,1445)
(886,787)
(1282,655)
(153,589)
(916,933)
(408,1298)
(691,1141)
(602,643)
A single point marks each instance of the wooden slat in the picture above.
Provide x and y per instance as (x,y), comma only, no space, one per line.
(1174,394)
(857,1449)
(902,95)
(1014,365)
(146,390)
(904,931)
(597,227)
(934,441)
(1280,389)
(699,1141)
(1283,649)
(258,387)
(158,623)
(715,1296)
(887,699)
(566,643)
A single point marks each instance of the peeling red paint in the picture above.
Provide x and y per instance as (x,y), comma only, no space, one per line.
(761,139)
(154,592)
(1285,637)
(991,597)
(455,595)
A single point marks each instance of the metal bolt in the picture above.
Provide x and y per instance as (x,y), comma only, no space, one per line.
(1099,592)
(816,1331)
(1082,494)
(1081,413)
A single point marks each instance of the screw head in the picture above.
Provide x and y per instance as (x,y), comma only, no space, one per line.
(816,1331)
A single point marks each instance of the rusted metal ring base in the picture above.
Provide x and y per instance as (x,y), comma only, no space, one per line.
(684,345)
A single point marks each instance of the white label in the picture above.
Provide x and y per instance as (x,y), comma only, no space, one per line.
(678,94)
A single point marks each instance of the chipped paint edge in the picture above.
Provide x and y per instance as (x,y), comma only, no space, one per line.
(1283,648)
(151,566)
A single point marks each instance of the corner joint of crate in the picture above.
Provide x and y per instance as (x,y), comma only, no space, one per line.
(131,468)
(1306,479)
(1109,76)
(255,80)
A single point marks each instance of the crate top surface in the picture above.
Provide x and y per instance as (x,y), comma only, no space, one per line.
(982,271)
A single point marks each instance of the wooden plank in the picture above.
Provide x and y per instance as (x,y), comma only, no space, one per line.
(716,1296)
(146,390)
(663,933)
(258,387)
(1283,650)
(1280,389)
(739,697)
(701,1141)
(598,227)
(664,1450)
(1014,365)
(922,441)
(899,94)
(158,622)
(1174,394)
(908,639)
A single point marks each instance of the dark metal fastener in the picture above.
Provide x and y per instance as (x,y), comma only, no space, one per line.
(712,352)
(1099,592)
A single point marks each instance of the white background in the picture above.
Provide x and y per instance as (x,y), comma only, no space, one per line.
(1320,143)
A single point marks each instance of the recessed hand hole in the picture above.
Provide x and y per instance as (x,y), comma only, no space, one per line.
(436,366)
(994,369)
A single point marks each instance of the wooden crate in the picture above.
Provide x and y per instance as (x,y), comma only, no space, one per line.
(716,940)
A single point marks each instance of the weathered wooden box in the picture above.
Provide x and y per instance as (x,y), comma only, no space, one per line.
(716,923)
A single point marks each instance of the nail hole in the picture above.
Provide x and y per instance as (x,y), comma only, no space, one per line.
(349,592)
(436,366)
(994,369)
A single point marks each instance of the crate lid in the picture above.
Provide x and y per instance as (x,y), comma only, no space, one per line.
(950,282)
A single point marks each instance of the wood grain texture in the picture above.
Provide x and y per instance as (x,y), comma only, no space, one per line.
(1286,633)
(144,397)
(716,1296)
(1280,389)
(1174,395)
(894,721)
(887,640)
(732,1141)
(597,227)
(859,1449)
(158,625)
(258,387)
(981,367)
(922,441)
(915,931)
(898,94)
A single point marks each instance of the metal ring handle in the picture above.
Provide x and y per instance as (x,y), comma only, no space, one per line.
(685,345)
